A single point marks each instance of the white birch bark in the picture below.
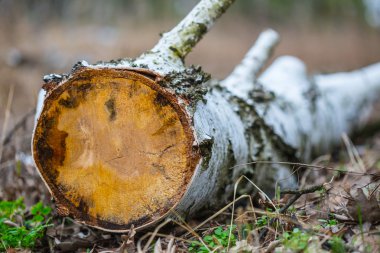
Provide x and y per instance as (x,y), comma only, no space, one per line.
(311,112)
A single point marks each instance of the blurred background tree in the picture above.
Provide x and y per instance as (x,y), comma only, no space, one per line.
(309,11)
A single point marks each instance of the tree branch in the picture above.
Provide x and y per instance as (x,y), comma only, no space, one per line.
(171,50)
(298,193)
(18,125)
(242,78)
(182,38)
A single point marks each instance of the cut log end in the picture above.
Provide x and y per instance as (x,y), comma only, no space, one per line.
(114,148)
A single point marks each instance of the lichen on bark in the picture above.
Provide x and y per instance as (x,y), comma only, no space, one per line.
(190,84)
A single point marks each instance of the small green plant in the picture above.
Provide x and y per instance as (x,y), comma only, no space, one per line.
(218,239)
(296,240)
(18,230)
(244,230)
(341,170)
(278,193)
(337,244)
(328,223)
(262,221)
(292,209)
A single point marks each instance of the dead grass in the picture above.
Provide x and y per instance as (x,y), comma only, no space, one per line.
(341,214)
(342,210)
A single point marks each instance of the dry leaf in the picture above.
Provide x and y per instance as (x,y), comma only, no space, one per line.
(361,207)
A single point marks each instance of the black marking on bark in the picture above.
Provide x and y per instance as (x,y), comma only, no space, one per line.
(187,212)
(83,206)
(256,126)
(110,105)
(84,88)
(134,88)
(78,66)
(166,149)
(48,122)
(161,100)
(63,147)
(258,139)
(52,80)
(177,52)
(55,78)
(225,179)
(75,95)
(50,149)
(312,94)
(45,152)
(205,148)
(70,102)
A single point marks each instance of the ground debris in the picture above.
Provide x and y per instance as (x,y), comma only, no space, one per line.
(335,209)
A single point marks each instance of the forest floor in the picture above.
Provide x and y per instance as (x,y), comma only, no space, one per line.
(337,206)
(335,209)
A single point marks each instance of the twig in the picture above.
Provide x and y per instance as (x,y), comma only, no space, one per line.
(353,153)
(145,249)
(273,245)
(304,191)
(6,119)
(307,166)
(10,223)
(233,203)
(7,163)
(18,125)
(217,213)
(296,195)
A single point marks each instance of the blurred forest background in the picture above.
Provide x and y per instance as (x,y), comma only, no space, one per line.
(38,37)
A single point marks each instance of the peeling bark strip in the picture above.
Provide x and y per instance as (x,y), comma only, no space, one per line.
(125,142)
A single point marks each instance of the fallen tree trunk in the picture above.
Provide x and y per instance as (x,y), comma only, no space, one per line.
(126,142)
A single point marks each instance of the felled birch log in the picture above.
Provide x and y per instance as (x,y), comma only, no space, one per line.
(126,142)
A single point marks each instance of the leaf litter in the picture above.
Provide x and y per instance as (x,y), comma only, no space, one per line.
(336,209)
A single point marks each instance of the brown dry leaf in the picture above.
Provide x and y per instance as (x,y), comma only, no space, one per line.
(367,243)
(171,248)
(334,231)
(314,245)
(73,245)
(11,250)
(243,246)
(364,206)
(128,245)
